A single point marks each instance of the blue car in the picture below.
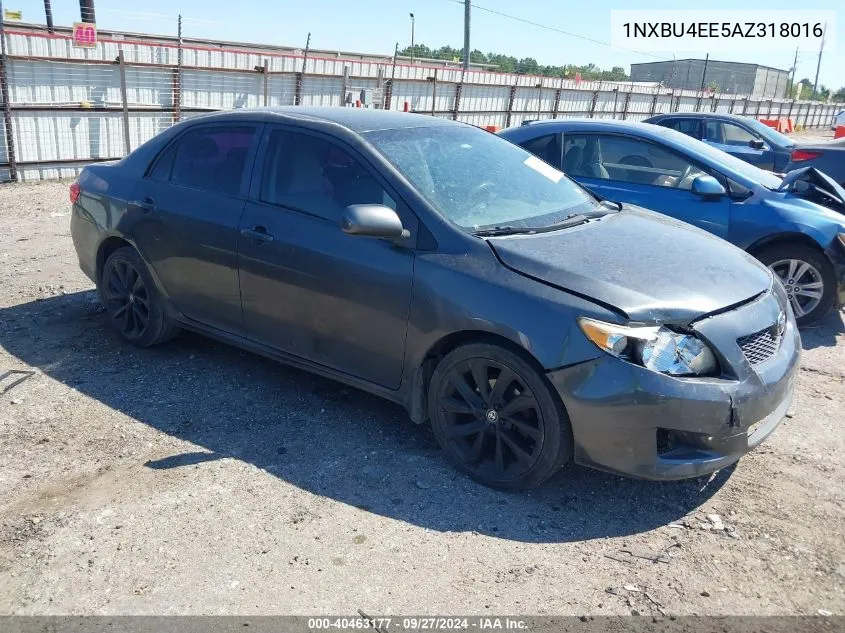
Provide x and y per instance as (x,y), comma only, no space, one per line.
(795,224)
(739,136)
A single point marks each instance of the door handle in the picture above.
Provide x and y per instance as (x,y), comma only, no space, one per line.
(257,233)
(146,205)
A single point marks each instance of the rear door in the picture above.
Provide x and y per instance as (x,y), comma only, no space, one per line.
(628,169)
(193,197)
(309,289)
(738,140)
(689,126)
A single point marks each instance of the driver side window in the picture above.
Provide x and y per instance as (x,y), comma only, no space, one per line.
(312,175)
(736,135)
(627,159)
(725,133)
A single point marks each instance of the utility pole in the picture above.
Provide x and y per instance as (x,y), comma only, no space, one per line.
(307,48)
(467,8)
(86,10)
(48,14)
(819,65)
(704,72)
(412,39)
(792,81)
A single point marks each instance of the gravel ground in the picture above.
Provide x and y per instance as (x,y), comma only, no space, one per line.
(195,478)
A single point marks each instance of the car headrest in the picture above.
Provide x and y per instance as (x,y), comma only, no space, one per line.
(572,159)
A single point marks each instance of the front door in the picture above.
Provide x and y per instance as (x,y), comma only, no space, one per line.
(739,141)
(192,200)
(308,289)
(632,170)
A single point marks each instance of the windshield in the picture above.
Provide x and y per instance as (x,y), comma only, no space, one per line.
(722,159)
(770,134)
(479,180)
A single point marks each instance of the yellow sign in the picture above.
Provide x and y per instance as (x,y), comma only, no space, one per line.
(9,14)
(84,35)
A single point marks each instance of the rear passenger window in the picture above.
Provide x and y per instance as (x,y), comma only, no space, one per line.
(164,164)
(545,147)
(211,158)
(686,126)
(315,176)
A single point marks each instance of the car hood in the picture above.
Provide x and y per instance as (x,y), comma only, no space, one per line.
(652,268)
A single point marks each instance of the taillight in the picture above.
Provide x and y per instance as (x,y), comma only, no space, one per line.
(74,192)
(801,154)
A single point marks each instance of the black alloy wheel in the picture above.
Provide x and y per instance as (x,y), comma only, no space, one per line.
(496,417)
(126,300)
(132,303)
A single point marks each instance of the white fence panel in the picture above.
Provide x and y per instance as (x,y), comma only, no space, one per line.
(66,102)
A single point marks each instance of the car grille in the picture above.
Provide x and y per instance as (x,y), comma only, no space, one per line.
(760,346)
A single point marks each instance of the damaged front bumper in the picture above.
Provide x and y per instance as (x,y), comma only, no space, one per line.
(633,421)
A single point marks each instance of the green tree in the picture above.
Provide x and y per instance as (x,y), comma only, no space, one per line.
(528,65)
(839,95)
(510,64)
(477,57)
(803,89)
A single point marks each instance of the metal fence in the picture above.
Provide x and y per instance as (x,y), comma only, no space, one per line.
(64,107)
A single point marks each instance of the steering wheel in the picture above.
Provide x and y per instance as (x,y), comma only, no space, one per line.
(686,173)
(635,161)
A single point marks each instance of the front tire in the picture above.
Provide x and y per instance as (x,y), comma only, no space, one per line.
(807,276)
(496,417)
(134,307)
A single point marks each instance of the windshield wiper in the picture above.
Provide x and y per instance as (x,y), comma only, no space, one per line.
(612,203)
(503,230)
(568,222)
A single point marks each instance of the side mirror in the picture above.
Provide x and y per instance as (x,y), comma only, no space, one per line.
(373,220)
(755,144)
(707,187)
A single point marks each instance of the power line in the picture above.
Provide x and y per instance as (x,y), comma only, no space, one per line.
(557,30)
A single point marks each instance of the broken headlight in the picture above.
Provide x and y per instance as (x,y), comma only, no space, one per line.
(654,347)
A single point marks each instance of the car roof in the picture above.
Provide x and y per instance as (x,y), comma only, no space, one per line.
(700,115)
(530,130)
(355,119)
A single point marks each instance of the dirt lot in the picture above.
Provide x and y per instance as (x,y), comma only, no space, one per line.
(196,478)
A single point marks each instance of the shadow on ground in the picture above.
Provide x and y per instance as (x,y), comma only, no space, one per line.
(823,333)
(319,435)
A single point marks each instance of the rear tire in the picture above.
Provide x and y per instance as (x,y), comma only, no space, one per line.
(497,418)
(133,305)
(807,275)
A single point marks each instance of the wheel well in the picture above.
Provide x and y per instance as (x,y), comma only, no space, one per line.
(778,240)
(109,246)
(418,406)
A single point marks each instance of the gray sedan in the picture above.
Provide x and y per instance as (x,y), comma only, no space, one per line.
(441,267)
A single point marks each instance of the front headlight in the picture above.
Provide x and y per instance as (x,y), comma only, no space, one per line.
(654,347)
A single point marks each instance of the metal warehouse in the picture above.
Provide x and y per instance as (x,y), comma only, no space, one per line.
(726,77)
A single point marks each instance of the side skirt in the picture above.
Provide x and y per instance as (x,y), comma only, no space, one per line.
(399,396)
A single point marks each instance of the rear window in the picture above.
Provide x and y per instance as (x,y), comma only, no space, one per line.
(210,158)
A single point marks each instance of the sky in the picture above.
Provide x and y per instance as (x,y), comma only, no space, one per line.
(375,26)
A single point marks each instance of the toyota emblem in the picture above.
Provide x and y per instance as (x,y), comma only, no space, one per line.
(781,325)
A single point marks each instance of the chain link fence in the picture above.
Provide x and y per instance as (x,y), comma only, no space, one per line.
(64,107)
